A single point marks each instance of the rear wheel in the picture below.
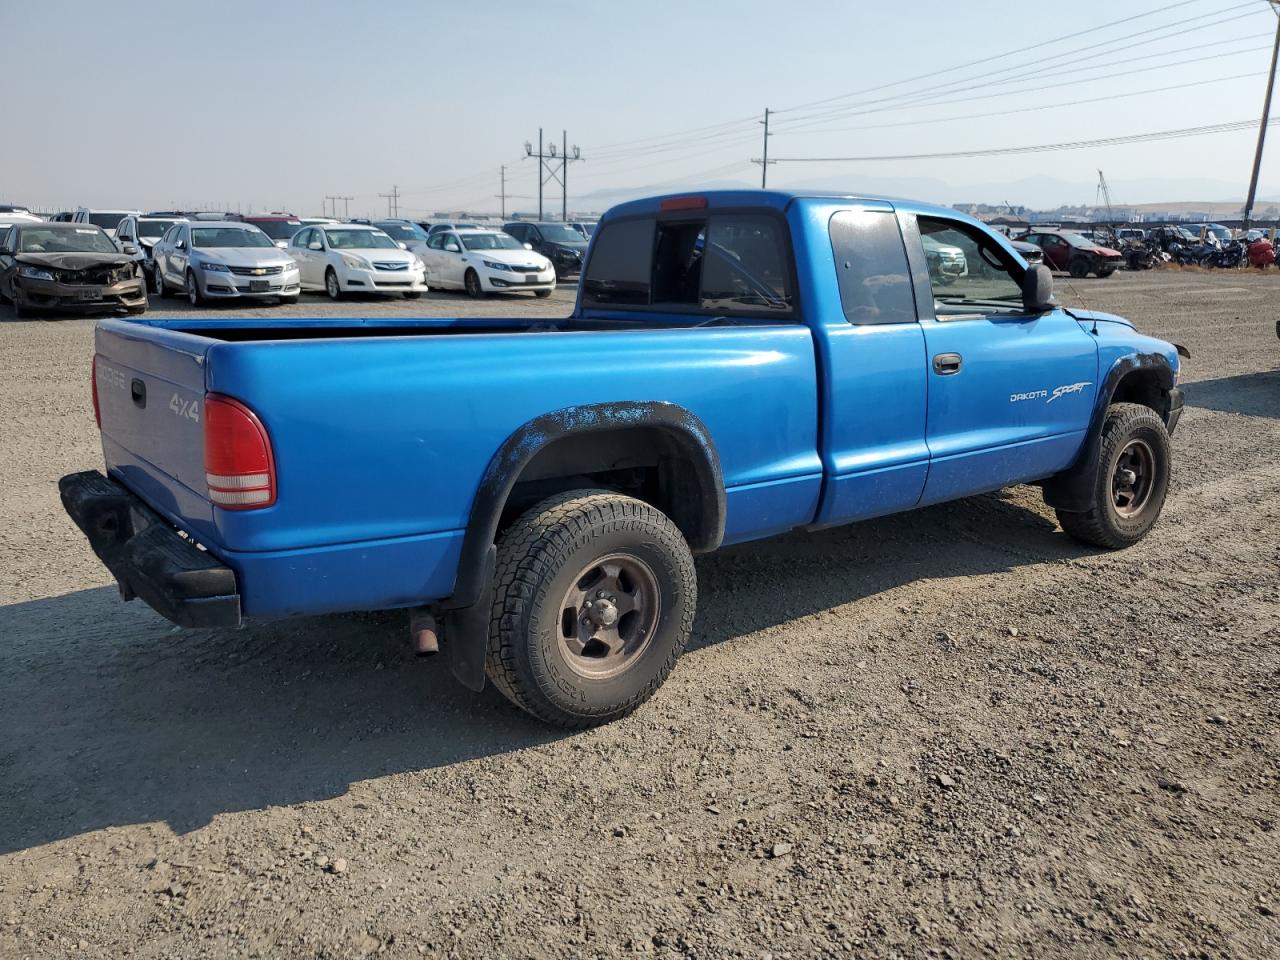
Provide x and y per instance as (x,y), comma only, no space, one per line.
(193,290)
(594,602)
(331,286)
(1133,472)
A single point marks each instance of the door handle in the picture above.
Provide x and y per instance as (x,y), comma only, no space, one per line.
(945,364)
(138,391)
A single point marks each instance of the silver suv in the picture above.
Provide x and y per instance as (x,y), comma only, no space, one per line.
(216,260)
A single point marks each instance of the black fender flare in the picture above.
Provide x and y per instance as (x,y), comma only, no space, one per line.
(1073,489)
(468,607)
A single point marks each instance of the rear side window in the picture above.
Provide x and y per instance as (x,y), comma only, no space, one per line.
(722,264)
(620,265)
(871,267)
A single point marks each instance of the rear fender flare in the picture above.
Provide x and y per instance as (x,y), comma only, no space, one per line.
(468,607)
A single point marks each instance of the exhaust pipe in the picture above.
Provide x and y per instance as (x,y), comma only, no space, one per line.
(423,632)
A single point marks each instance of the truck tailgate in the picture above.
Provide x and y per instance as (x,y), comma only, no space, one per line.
(150,388)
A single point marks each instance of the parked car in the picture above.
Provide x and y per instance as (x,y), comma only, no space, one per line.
(65,216)
(586,229)
(66,266)
(223,260)
(17,216)
(1135,234)
(946,263)
(1028,251)
(1169,235)
(142,233)
(15,208)
(558,242)
(355,258)
(108,220)
(405,232)
(280,227)
(544,484)
(485,261)
(434,228)
(312,221)
(1064,250)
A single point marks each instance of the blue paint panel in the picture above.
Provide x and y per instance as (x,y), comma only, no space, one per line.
(873,493)
(377,575)
(964,475)
(763,509)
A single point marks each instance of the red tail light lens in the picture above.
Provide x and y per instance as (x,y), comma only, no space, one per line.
(93,379)
(683,203)
(239,469)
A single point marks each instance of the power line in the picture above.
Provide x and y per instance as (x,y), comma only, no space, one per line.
(1040,148)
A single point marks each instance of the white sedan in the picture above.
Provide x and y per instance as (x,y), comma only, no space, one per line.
(485,261)
(343,258)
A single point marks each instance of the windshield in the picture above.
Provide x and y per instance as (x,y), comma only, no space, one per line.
(229,237)
(403,231)
(279,229)
(560,233)
(1219,231)
(107,221)
(360,240)
(154,228)
(491,241)
(83,239)
(1076,240)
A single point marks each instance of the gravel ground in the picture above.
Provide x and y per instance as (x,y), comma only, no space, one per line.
(948,733)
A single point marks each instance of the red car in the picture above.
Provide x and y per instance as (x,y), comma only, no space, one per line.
(1064,250)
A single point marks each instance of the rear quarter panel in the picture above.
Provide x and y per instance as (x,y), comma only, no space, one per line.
(388,437)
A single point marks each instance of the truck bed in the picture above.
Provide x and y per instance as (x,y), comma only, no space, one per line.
(382,440)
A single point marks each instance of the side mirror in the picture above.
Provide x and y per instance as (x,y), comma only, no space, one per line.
(130,249)
(1037,290)
(180,245)
(453,248)
(6,252)
(402,245)
(528,246)
(314,245)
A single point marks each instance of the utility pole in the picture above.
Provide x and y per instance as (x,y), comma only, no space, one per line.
(553,164)
(502,172)
(764,161)
(346,205)
(1262,126)
(393,202)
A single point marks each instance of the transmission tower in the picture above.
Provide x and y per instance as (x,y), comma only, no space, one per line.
(554,165)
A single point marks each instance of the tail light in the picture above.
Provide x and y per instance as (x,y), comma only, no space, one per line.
(239,468)
(93,379)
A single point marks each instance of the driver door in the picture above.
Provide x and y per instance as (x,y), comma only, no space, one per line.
(453,266)
(1010,394)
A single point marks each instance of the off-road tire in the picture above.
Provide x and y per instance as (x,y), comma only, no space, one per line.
(538,558)
(1078,268)
(1104,526)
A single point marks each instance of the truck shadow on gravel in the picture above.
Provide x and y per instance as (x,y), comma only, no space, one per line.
(113,717)
(1251,394)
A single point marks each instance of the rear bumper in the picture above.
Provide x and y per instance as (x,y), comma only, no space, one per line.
(148,558)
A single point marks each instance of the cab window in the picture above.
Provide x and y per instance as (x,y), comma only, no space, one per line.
(970,274)
(871,267)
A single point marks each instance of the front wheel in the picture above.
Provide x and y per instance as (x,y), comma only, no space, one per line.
(413,295)
(1103,274)
(156,286)
(542,294)
(193,290)
(472,284)
(1133,472)
(1078,268)
(331,285)
(594,602)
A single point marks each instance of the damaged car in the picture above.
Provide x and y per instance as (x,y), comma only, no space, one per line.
(68,267)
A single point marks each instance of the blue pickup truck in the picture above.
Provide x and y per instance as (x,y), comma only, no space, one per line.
(738,364)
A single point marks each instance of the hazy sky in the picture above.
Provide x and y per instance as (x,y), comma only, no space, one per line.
(274,103)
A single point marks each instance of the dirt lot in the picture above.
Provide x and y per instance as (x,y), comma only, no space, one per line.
(949,733)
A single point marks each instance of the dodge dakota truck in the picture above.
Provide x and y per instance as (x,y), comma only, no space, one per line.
(534,491)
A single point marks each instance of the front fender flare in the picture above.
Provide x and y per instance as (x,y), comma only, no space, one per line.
(1073,490)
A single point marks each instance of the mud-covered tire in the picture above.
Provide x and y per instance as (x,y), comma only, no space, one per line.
(1127,428)
(540,559)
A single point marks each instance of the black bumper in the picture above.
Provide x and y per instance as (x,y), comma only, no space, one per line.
(146,555)
(1175,409)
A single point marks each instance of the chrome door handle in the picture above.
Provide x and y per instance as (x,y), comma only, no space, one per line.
(945,364)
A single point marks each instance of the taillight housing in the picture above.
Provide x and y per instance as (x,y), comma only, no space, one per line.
(93,380)
(239,468)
